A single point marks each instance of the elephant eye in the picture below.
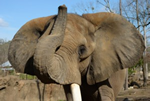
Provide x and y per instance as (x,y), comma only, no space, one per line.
(81,50)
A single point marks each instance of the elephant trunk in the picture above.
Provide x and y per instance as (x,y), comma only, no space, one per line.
(44,58)
(50,61)
(50,65)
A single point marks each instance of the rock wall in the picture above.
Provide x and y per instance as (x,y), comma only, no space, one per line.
(14,89)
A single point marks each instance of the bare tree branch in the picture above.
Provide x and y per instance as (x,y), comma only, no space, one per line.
(106,5)
(143,25)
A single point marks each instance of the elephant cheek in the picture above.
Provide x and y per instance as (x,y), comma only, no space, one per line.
(84,65)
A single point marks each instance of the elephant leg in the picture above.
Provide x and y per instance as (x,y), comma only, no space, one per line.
(106,93)
(117,80)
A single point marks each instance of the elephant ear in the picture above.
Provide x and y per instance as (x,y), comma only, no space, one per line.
(23,45)
(118,45)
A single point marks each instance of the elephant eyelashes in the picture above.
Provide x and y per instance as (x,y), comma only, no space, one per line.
(81,50)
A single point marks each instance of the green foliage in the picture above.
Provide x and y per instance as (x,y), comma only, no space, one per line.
(11,72)
(26,76)
(131,70)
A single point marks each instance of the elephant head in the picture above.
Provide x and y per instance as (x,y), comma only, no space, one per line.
(66,47)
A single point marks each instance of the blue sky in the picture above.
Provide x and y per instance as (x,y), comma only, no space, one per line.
(15,13)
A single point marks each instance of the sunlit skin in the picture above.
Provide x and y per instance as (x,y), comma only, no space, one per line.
(91,51)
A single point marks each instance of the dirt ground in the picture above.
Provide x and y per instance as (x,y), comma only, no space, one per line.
(135,94)
(14,89)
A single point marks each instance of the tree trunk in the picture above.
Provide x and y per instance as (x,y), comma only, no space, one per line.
(145,69)
(137,15)
(126,80)
(120,7)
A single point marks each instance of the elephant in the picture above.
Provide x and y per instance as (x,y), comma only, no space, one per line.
(91,51)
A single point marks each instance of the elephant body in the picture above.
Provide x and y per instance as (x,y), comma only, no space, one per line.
(103,91)
(91,50)
(106,90)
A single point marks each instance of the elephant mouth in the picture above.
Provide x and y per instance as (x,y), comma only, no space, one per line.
(83,59)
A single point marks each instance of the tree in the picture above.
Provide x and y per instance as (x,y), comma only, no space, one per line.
(137,12)
(106,4)
(4,45)
(120,7)
(86,7)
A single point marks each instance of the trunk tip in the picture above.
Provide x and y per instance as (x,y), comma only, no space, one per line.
(63,6)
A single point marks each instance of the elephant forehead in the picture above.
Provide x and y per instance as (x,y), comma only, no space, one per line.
(75,30)
(74,39)
(76,23)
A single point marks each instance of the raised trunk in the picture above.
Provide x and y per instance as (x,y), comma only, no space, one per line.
(50,60)
(44,56)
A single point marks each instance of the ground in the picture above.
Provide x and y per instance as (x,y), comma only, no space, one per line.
(135,94)
(14,89)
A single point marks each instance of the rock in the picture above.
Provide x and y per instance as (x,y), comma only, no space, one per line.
(13,89)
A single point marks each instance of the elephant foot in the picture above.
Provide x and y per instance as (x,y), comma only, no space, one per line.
(106,93)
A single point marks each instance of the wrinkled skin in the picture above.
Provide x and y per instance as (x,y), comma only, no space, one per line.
(90,50)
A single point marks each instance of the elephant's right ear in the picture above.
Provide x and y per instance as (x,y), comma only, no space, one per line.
(118,45)
(23,45)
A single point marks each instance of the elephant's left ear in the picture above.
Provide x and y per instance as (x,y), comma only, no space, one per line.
(118,45)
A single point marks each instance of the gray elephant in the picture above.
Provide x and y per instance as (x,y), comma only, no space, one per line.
(91,50)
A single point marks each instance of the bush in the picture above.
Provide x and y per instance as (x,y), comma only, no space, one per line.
(131,70)
(26,76)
